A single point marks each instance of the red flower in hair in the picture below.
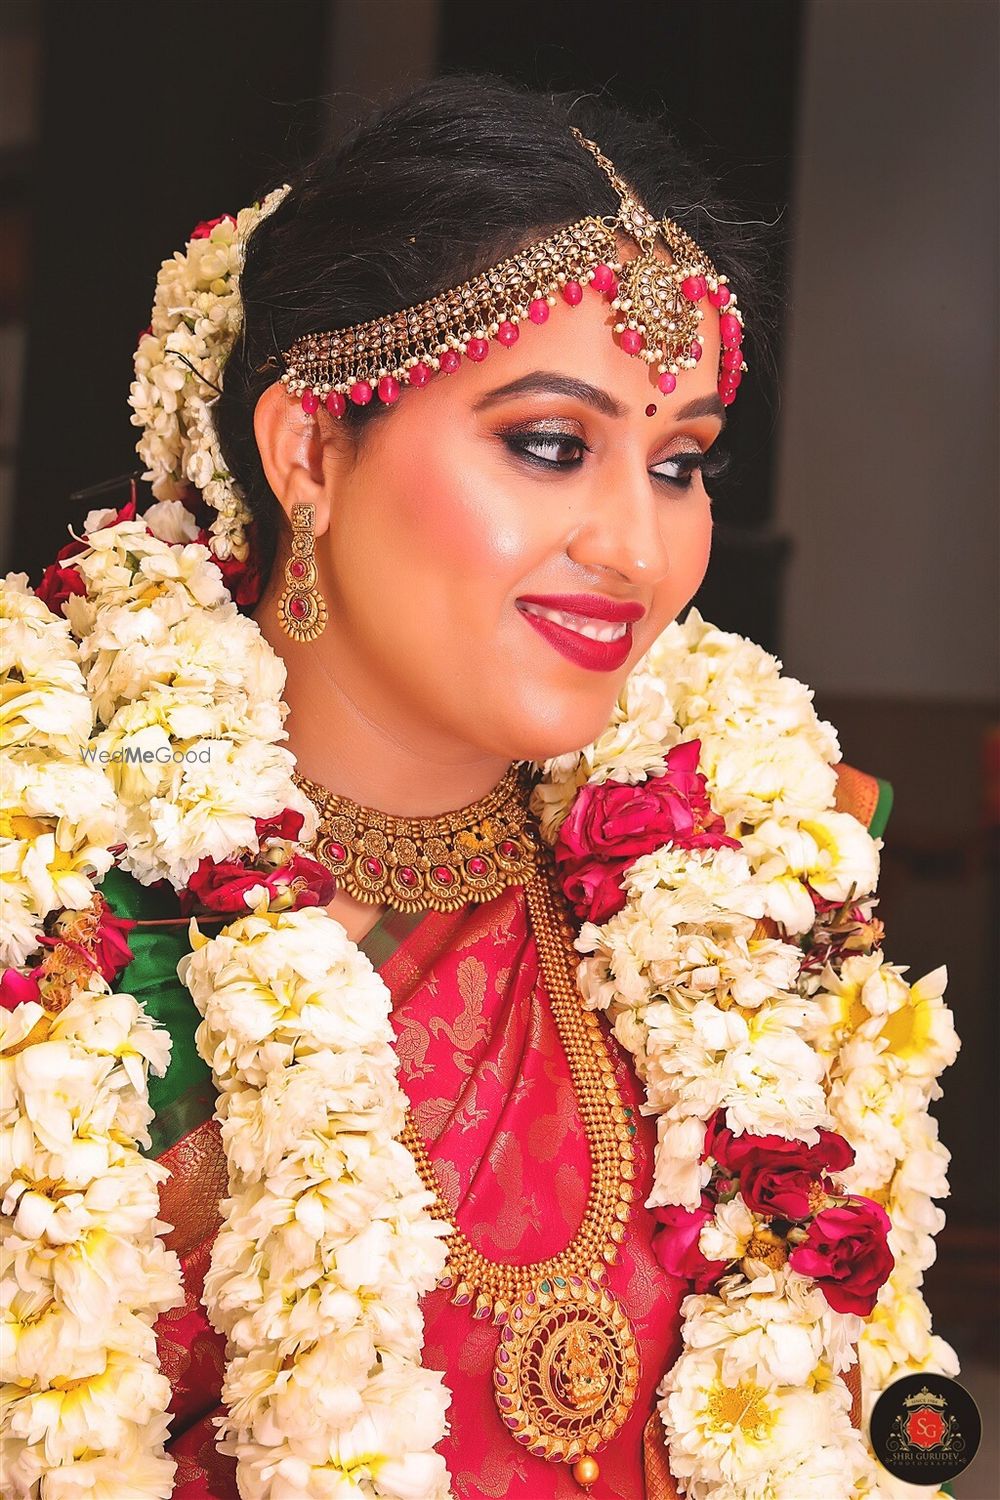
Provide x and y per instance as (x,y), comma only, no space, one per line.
(204,229)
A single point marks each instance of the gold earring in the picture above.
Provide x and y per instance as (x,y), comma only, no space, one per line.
(302,608)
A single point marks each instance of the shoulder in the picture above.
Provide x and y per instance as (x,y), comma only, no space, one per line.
(866,797)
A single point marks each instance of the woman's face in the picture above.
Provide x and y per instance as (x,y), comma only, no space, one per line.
(551,476)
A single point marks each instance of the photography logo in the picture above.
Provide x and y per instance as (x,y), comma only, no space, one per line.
(925,1429)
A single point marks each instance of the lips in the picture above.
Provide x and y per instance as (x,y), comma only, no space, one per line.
(591,606)
(600,614)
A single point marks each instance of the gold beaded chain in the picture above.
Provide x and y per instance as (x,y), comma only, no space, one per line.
(607,1125)
(566,1369)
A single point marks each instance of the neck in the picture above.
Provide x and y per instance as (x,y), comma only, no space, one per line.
(355,739)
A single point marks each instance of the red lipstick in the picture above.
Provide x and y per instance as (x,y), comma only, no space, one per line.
(592,606)
(596,656)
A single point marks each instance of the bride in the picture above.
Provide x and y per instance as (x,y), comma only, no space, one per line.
(500,951)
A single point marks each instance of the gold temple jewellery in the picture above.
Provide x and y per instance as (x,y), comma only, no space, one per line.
(412,864)
(566,1369)
(302,608)
(657,303)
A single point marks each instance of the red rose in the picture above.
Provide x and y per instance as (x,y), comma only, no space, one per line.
(594,891)
(125,512)
(16,989)
(286,825)
(243,580)
(776,1174)
(111,950)
(675,1245)
(847,1254)
(222,887)
(610,825)
(204,229)
(57,584)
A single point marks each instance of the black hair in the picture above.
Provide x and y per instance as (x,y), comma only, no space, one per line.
(427,191)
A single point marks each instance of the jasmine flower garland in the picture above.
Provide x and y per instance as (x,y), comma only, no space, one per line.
(740,963)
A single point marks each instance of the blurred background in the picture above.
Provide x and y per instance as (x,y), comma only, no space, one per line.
(857,534)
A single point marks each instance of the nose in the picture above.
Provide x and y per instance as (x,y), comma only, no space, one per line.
(623,529)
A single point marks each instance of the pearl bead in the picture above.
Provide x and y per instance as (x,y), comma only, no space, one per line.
(586,1471)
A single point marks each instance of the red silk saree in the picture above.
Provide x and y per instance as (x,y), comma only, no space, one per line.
(485,1073)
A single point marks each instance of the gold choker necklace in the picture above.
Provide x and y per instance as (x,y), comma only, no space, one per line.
(412,864)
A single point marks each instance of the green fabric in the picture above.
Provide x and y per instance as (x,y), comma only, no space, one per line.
(185,1096)
(883,808)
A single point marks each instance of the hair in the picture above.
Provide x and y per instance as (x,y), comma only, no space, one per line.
(426,192)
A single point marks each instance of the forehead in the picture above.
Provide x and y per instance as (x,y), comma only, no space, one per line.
(579,342)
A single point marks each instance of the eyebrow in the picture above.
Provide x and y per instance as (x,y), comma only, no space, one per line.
(591,395)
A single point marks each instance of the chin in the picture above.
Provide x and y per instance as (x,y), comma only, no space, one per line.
(566,735)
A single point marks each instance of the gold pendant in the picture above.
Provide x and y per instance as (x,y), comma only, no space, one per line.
(566,1371)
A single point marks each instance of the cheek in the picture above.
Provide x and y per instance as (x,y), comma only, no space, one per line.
(449,515)
(689,547)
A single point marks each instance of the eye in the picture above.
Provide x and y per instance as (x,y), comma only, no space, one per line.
(713,463)
(547,450)
(565,450)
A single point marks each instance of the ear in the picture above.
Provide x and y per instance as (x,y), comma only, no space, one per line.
(296,459)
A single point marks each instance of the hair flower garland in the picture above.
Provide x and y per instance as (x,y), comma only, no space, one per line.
(179,369)
(728,933)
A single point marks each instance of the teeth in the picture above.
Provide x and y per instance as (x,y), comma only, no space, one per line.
(595,630)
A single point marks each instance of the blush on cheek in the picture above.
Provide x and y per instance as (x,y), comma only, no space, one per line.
(442,510)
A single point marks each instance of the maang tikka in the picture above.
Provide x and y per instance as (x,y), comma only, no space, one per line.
(302,608)
(657,305)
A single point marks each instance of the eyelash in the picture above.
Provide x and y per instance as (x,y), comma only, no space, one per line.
(712,464)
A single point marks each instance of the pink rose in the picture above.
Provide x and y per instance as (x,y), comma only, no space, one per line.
(848,1255)
(610,825)
(16,989)
(111,951)
(675,1244)
(595,891)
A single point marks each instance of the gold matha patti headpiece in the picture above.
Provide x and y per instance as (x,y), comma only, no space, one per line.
(657,302)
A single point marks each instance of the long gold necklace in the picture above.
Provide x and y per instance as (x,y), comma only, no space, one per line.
(566,1369)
